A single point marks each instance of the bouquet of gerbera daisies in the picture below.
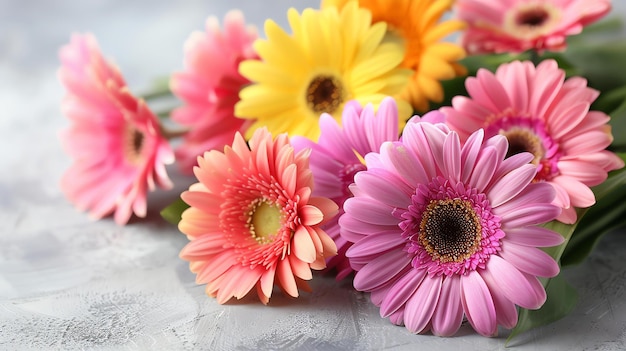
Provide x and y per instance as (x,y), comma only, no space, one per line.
(447,164)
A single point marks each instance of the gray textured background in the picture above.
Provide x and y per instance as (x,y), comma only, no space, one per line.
(69,283)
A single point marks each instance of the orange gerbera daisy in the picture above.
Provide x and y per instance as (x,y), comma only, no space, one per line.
(416,23)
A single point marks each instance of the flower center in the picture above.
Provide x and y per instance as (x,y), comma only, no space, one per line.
(325,94)
(530,20)
(533,17)
(526,134)
(265,221)
(523,140)
(450,230)
(134,144)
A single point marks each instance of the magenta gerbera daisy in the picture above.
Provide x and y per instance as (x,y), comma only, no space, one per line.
(253,222)
(520,25)
(210,84)
(339,155)
(542,113)
(114,139)
(443,230)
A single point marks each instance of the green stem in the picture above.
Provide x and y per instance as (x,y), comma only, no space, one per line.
(160,92)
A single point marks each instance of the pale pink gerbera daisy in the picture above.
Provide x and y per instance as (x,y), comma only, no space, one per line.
(542,113)
(209,86)
(338,156)
(115,140)
(519,25)
(443,230)
(252,220)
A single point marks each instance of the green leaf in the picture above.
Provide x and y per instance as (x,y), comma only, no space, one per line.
(562,298)
(174,211)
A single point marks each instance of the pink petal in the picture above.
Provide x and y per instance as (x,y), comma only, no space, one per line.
(380,270)
(401,291)
(530,260)
(506,312)
(376,244)
(511,184)
(580,194)
(370,211)
(449,313)
(478,304)
(421,306)
(452,157)
(378,183)
(533,236)
(515,285)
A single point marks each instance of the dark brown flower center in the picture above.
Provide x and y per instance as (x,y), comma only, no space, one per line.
(324,94)
(134,144)
(524,140)
(532,17)
(450,230)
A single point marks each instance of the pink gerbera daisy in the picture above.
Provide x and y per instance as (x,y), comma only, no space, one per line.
(210,86)
(338,156)
(252,220)
(115,140)
(519,25)
(542,113)
(443,230)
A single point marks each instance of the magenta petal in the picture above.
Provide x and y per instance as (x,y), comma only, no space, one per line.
(515,285)
(530,260)
(380,270)
(449,312)
(421,306)
(401,291)
(478,304)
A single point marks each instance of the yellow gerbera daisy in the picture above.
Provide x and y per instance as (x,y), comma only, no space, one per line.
(332,56)
(417,23)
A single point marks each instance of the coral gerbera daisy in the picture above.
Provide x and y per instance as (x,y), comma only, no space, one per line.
(519,25)
(542,113)
(252,220)
(417,25)
(115,140)
(331,57)
(210,86)
(443,230)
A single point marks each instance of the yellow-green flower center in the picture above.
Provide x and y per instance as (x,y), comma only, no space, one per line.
(325,94)
(450,230)
(524,140)
(265,221)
